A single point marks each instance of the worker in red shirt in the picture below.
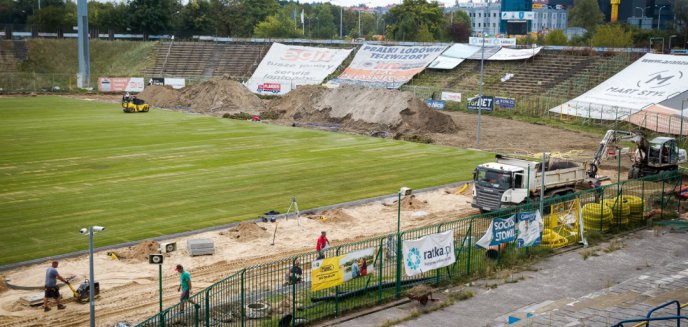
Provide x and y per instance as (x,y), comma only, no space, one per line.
(322,244)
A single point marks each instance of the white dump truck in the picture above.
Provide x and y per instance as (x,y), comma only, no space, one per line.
(509,181)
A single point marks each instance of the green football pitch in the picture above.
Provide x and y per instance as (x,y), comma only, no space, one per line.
(69,163)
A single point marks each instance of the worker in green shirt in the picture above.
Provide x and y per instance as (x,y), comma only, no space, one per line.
(184,286)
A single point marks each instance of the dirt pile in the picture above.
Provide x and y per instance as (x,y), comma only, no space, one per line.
(410,202)
(3,284)
(247,231)
(140,252)
(333,216)
(362,110)
(215,97)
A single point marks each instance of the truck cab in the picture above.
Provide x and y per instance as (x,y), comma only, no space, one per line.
(495,184)
(510,181)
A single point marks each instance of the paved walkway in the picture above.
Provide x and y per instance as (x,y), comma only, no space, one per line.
(621,280)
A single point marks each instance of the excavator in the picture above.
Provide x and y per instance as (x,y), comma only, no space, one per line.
(650,158)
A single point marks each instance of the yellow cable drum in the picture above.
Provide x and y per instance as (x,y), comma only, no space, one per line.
(553,239)
(620,209)
(636,206)
(597,216)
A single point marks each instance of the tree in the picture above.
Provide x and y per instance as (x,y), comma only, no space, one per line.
(681,22)
(279,25)
(406,20)
(324,22)
(613,36)
(150,16)
(586,14)
(459,28)
(196,19)
(556,37)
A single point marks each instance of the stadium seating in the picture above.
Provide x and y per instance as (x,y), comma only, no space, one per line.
(11,52)
(205,60)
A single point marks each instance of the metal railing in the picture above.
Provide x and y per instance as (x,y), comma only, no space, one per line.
(265,295)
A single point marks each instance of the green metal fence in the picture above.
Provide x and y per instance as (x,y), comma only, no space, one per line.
(263,295)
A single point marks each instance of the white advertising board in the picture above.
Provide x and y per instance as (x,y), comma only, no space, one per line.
(451,96)
(650,79)
(515,54)
(285,67)
(388,66)
(175,83)
(120,84)
(492,41)
(518,15)
(453,56)
(428,253)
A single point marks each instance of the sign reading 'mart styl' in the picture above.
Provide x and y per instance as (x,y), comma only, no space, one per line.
(287,66)
(388,66)
(651,79)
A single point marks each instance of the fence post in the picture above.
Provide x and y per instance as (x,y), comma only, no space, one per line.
(661,214)
(243,299)
(379,275)
(162,318)
(470,234)
(207,306)
(293,302)
(196,309)
(437,271)
(397,291)
(336,292)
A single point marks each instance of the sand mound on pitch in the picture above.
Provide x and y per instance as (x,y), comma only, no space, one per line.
(334,216)
(3,284)
(215,97)
(140,251)
(362,110)
(247,231)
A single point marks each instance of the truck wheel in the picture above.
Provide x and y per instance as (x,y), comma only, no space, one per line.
(634,173)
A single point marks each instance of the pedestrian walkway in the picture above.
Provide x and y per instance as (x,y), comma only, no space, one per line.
(597,286)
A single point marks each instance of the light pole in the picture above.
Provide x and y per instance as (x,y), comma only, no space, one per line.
(683,103)
(91,292)
(671,37)
(405,191)
(659,16)
(359,22)
(341,18)
(642,11)
(480,94)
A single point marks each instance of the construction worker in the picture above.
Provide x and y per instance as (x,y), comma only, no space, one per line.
(52,291)
(184,286)
(322,244)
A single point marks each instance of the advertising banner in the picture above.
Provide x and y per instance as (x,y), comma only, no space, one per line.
(492,41)
(501,230)
(478,103)
(518,15)
(505,102)
(428,253)
(453,56)
(120,84)
(515,54)
(331,272)
(437,104)
(650,79)
(530,228)
(175,83)
(451,96)
(388,66)
(285,67)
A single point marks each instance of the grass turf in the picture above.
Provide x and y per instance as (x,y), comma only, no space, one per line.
(69,163)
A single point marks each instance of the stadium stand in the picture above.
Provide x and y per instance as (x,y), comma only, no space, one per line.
(557,73)
(205,60)
(11,52)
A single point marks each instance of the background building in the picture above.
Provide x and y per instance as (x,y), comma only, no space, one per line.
(538,17)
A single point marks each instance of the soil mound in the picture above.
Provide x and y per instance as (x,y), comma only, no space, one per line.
(334,216)
(3,284)
(247,231)
(362,110)
(140,251)
(161,96)
(215,97)
(411,203)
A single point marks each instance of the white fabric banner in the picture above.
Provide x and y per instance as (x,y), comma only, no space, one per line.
(428,253)
(175,83)
(651,79)
(453,56)
(387,66)
(492,41)
(515,54)
(451,96)
(285,67)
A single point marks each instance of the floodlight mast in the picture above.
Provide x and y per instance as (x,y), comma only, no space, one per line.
(83,78)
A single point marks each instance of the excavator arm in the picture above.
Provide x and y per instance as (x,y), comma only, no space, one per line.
(611,139)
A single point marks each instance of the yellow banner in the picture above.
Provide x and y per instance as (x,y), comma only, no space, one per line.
(326,273)
(537,6)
